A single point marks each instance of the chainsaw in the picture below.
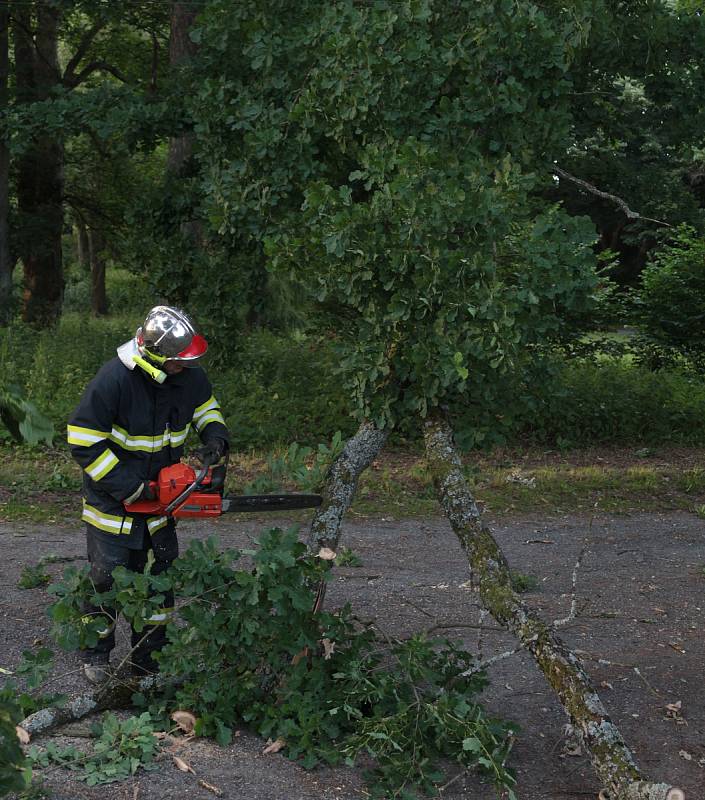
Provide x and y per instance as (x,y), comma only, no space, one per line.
(181,491)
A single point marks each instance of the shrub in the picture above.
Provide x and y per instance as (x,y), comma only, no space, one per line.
(281,389)
(276,389)
(671,301)
(620,404)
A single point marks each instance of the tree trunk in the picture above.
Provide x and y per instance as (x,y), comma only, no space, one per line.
(341,482)
(5,256)
(96,252)
(40,169)
(611,759)
(181,50)
(82,245)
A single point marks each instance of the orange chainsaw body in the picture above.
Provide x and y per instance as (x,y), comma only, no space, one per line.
(205,501)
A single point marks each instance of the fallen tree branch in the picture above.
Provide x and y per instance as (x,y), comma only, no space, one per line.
(629,213)
(115,693)
(611,758)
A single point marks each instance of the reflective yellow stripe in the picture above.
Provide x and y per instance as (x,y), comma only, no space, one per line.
(207,412)
(155,523)
(204,408)
(85,437)
(102,465)
(106,522)
(211,416)
(148,444)
(211,402)
(179,437)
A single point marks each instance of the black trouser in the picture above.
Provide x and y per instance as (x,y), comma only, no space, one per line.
(104,555)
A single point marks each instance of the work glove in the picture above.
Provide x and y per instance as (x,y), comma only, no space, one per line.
(147,492)
(211,452)
(143,492)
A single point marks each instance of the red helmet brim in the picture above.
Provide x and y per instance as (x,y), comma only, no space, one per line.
(197,347)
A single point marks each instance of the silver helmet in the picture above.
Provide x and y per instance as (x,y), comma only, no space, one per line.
(169,334)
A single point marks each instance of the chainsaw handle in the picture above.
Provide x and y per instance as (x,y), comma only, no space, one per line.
(189,490)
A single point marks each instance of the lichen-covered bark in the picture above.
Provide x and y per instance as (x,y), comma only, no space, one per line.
(341,482)
(611,758)
(114,694)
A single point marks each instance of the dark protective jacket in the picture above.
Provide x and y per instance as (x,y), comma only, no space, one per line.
(125,429)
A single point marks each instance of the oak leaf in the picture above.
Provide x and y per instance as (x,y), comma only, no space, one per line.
(182,765)
(185,720)
(274,746)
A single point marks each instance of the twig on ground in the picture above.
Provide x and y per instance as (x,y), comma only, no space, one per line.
(482,665)
(453,780)
(557,623)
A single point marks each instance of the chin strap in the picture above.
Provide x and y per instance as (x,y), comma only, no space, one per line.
(154,372)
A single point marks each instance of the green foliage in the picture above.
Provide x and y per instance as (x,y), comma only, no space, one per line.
(15,773)
(637,124)
(22,419)
(421,702)
(248,647)
(417,164)
(345,557)
(121,748)
(672,295)
(285,388)
(15,705)
(127,293)
(617,403)
(33,576)
(54,366)
(272,388)
(277,389)
(523,583)
(34,668)
(71,627)
(303,466)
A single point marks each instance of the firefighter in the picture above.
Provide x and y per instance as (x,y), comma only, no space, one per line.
(133,419)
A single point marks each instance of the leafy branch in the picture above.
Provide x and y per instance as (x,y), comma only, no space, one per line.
(246,646)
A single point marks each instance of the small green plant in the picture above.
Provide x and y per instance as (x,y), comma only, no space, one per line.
(304,466)
(121,748)
(700,511)
(36,791)
(33,576)
(58,481)
(522,583)
(22,419)
(345,557)
(15,705)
